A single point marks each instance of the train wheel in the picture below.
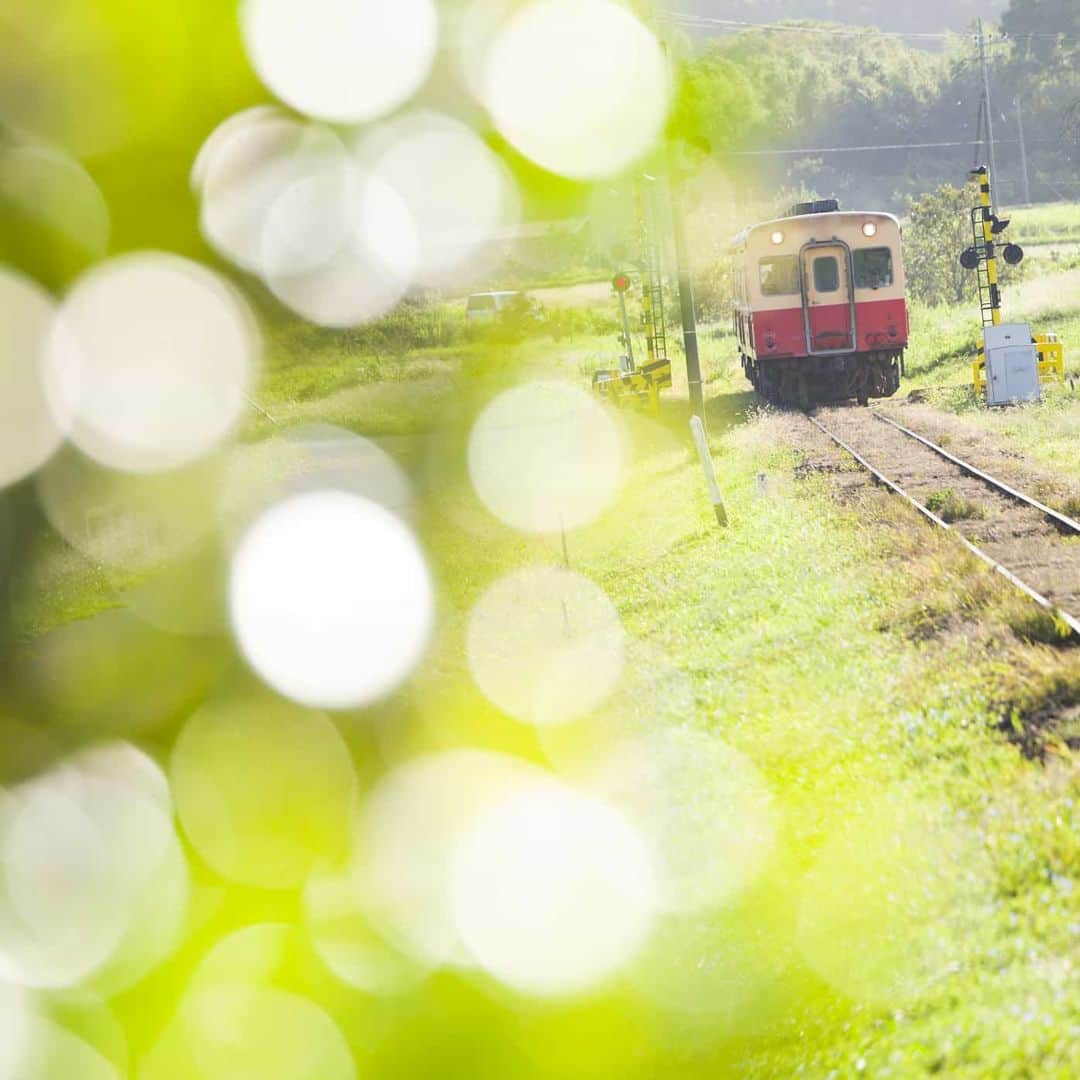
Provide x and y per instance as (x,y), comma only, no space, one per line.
(895,371)
(867,381)
(803,393)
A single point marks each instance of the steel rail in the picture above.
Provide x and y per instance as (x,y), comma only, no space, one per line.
(1070,621)
(1062,521)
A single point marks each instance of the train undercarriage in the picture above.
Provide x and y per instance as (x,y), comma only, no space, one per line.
(812,380)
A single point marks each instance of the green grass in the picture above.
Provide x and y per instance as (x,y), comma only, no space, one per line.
(918,905)
(790,639)
(1045,223)
(944,341)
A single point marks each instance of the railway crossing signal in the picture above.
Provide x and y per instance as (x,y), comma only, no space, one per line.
(641,386)
(621,284)
(1016,356)
(986,226)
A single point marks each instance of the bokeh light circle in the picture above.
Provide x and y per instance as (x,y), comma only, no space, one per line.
(470,32)
(545,645)
(330,599)
(94,885)
(546,456)
(129,520)
(245,166)
(222,136)
(652,693)
(412,823)
(350,940)
(112,673)
(249,1032)
(257,955)
(308,457)
(339,247)
(457,219)
(29,434)
(553,891)
(16,1021)
(345,61)
(51,188)
(54,1052)
(264,790)
(578,86)
(150,361)
(702,808)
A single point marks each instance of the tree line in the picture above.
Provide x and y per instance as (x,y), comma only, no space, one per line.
(767,91)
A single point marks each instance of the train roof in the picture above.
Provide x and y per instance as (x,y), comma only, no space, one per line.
(832,215)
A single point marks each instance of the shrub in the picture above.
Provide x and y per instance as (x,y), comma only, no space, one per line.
(950,507)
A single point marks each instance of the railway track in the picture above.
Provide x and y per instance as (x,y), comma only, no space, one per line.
(1032,545)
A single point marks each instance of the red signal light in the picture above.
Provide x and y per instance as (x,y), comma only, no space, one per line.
(620,282)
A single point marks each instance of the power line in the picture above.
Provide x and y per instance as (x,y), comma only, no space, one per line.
(808,151)
(1026,35)
(740,26)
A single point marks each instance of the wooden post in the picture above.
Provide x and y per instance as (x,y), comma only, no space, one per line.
(697,429)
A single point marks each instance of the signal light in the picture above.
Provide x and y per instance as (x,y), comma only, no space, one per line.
(1013,254)
(620,282)
(969,259)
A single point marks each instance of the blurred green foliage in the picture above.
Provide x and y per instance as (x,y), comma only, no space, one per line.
(819,89)
(939,230)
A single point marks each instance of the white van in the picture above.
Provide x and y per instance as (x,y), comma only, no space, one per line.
(484,306)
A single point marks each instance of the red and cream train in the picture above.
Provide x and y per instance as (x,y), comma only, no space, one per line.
(820,313)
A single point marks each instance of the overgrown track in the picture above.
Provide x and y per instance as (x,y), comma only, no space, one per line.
(1032,545)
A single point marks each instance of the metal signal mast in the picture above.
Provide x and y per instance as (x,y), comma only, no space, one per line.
(988,109)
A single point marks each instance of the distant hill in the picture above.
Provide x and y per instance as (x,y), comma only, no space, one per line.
(915,16)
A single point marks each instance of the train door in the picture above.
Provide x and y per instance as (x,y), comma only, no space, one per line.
(829,301)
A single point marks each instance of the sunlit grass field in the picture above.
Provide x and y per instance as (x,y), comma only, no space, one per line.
(378,702)
(1046,223)
(902,903)
(869,876)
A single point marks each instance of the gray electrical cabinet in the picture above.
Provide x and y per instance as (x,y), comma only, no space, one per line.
(1012,364)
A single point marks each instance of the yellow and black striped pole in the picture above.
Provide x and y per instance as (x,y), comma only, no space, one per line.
(647,318)
(989,253)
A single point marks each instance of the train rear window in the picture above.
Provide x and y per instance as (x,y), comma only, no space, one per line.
(779,275)
(873,268)
(826,274)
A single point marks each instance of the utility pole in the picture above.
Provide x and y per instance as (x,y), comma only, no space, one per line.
(989,107)
(686,295)
(1023,152)
(628,341)
(686,288)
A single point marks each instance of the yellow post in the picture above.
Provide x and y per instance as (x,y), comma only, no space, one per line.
(988,239)
(647,318)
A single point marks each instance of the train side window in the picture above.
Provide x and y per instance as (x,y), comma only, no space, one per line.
(779,275)
(826,274)
(873,268)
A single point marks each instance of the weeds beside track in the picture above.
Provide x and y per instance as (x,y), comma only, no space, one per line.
(1030,544)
